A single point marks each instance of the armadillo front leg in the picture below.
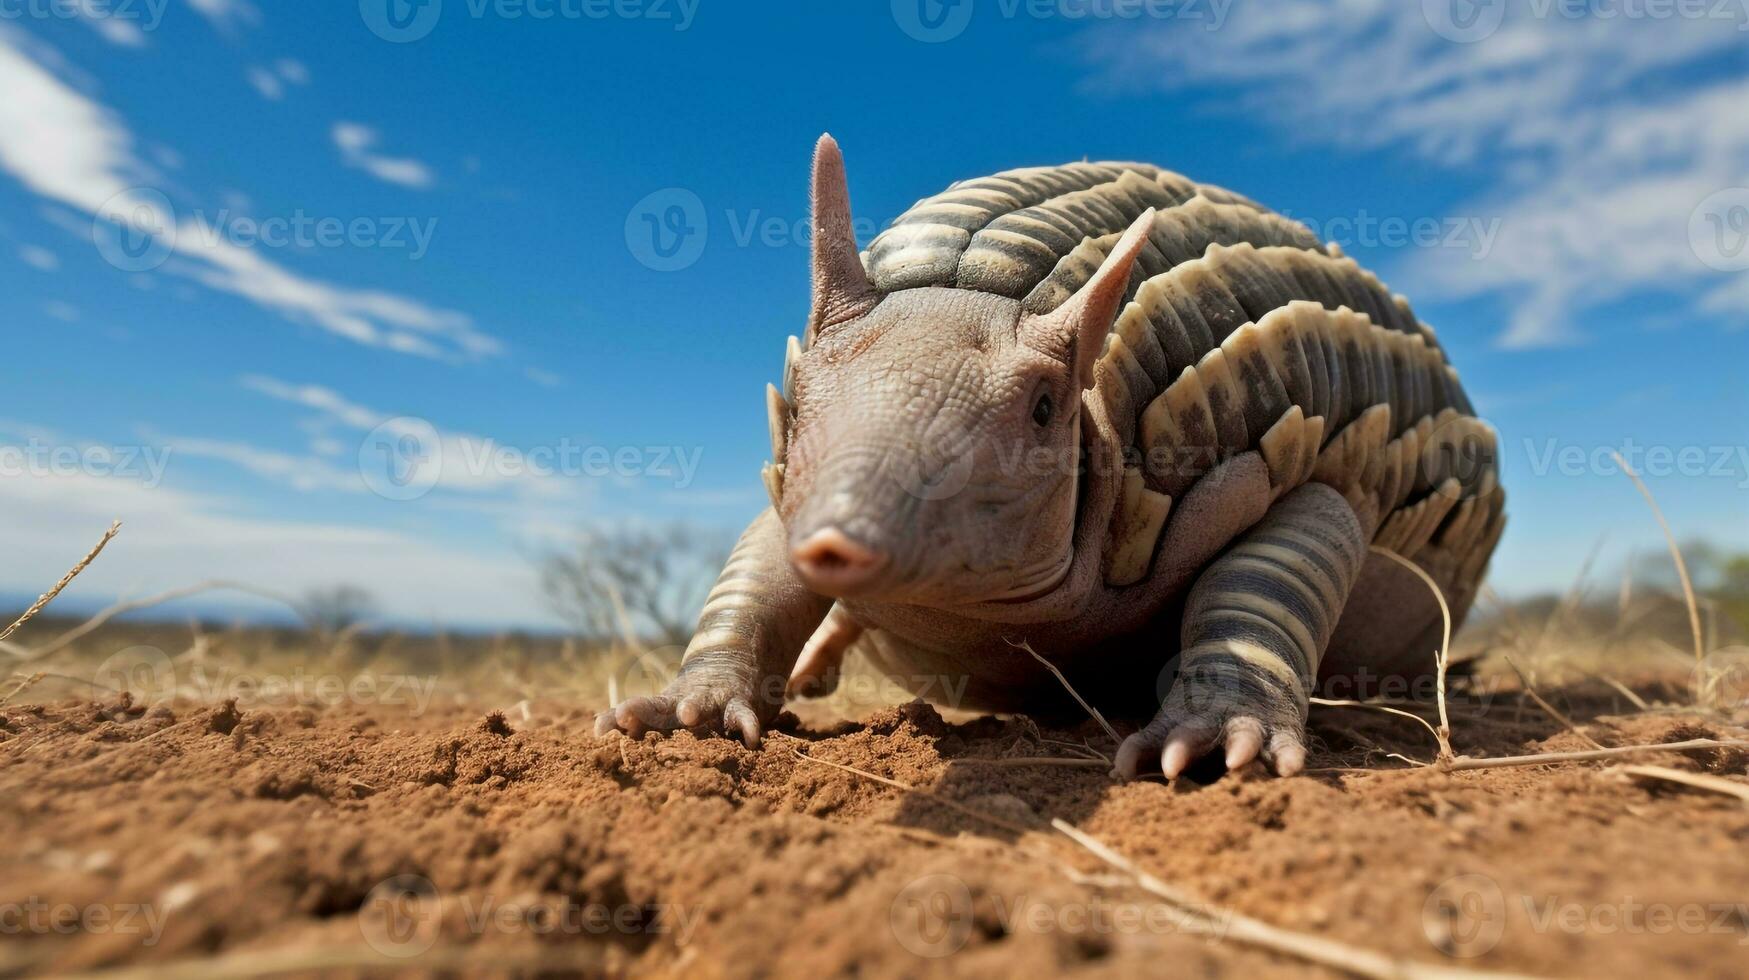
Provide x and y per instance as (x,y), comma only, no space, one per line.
(1255,626)
(751,630)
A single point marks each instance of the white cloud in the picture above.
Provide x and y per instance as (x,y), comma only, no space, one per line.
(304,474)
(172,538)
(468,462)
(39,258)
(355,142)
(62,311)
(1600,160)
(227,17)
(113,24)
(270,82)
(266,83)
(292,70)
(72,150)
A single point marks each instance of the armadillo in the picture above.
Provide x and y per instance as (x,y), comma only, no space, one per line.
(1098,416)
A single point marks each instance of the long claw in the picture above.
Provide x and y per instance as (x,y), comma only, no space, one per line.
(1244,742)
(739,716)
(1129,754)
(1182,747)
(1288,753)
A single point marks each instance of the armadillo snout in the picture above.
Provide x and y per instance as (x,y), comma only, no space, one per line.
(833,563)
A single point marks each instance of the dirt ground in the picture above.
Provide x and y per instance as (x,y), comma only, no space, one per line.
(253,841)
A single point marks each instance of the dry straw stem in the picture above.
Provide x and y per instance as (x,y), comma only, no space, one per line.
(1530,689)
(131,605)
(348,959)
(1592,755)
(1675,555)
(1193,915)
(1090,709)
(72,573)
(22,685)
(1698,780)
(1253,932)
(1441,656)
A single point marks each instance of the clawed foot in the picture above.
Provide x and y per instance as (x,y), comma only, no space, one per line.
(1194,723)
(702,700)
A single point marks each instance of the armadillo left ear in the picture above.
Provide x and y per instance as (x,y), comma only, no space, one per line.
(841,287)
(1078,327)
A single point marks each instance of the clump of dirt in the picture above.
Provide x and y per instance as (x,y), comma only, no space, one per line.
(455,840)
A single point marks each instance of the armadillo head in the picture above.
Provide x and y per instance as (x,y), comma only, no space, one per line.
(931,436)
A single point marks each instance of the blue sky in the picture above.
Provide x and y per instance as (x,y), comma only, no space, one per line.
(251,249)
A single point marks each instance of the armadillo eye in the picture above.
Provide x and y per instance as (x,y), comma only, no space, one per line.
(1042,410)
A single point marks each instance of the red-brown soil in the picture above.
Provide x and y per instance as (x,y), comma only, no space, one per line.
(259,841)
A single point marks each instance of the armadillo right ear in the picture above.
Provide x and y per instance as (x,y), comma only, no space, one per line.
(841,287)
(1076,330)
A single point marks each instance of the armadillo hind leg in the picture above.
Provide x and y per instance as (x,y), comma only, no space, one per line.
(749,635)
(1255,627)
(816,673)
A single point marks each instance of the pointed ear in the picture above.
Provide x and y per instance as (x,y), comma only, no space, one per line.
(841,287)
(1078,327)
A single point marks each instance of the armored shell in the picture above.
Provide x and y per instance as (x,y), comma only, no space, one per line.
(1242,331)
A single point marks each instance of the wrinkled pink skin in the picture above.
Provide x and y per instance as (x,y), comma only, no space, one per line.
(928,492)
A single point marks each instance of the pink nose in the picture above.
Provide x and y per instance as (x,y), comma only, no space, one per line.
(834,563)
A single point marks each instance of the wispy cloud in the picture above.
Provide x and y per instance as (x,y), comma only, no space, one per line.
(111,24)
(1600,163)
(175,537)
(72,150)
(270,80)
(38,258)
(356,143)
(228,17)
